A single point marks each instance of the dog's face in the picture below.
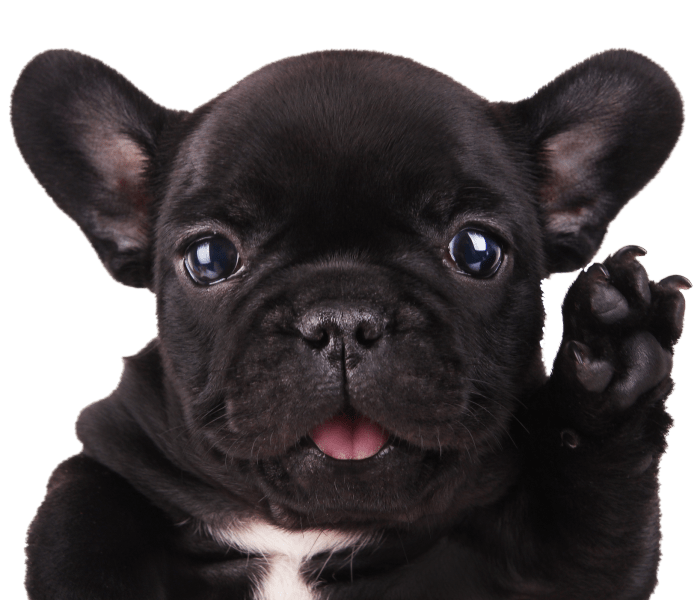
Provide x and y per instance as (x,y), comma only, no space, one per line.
(347,251)
(378,257)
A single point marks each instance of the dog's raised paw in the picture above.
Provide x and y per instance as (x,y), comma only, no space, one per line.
(619,332)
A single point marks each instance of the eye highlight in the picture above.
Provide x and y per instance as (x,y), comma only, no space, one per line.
(211,260)
(476,253)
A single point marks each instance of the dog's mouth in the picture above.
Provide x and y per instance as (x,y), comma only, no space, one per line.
(350,436)
(349,468)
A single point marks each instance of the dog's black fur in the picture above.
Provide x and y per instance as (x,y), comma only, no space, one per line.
(341,178)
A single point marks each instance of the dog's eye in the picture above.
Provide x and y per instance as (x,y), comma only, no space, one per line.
(476,253)
(211,259)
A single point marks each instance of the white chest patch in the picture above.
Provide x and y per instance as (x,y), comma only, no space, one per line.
(285,552)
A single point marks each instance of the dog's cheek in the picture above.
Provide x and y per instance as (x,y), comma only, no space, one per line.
(188,323)
(506,359)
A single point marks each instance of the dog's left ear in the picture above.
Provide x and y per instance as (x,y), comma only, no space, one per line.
(599,133)
(91,139)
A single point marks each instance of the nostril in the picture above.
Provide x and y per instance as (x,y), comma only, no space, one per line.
(318,338)
(367,333)
(317,328)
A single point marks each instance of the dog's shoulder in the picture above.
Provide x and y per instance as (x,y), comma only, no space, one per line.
(81,485)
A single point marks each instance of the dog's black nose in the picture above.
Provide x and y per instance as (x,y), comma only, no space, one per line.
(328,323)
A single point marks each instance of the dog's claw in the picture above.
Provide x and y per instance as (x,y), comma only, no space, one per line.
(633,250)
(579,350)
(593,374)
(629,276)
(675,282)
(569,438)
(604,271)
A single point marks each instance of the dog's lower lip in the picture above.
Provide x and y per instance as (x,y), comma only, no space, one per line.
(389,446)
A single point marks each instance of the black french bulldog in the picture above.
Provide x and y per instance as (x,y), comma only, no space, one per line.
(346,398)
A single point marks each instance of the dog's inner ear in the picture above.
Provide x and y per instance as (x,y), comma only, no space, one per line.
(89,137)
(120,164)
(566,193)
(598,133)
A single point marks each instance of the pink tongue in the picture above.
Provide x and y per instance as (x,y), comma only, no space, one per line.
(348,438)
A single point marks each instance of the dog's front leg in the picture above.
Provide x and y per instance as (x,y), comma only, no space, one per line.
(95,537)
(596,435)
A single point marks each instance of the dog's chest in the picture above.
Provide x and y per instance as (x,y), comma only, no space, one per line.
(285,553)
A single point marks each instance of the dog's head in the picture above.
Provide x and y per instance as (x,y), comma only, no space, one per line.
(347,250)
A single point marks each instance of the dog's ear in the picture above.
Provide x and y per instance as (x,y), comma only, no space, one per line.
(599,133)
(91,138)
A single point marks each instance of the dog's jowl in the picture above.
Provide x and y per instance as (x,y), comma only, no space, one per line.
(346,398)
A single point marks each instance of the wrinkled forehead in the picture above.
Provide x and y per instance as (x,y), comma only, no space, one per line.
(338,134)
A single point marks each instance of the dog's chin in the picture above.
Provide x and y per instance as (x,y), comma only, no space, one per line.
(399,483)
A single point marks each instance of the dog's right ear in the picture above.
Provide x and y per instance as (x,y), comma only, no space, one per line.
(90,138)
(598,134)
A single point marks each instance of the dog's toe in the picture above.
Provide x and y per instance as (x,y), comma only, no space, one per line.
(630,278)
(646,363)
(607,304)
(669,308)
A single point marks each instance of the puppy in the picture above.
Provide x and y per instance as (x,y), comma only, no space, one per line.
(346,398)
